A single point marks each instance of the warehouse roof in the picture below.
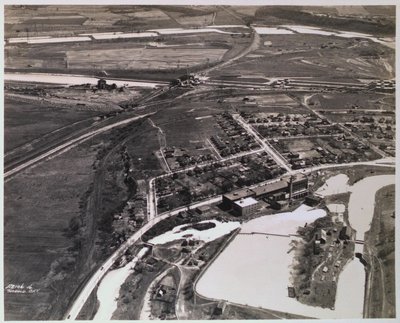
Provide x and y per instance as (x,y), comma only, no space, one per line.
(246,202)
(239,194)
(270,188)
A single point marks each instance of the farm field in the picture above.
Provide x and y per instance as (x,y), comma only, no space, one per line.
(165,52)
(144,58)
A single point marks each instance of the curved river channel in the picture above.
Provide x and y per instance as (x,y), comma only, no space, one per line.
(255,268)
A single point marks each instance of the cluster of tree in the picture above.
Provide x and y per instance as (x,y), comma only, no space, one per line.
(167,225)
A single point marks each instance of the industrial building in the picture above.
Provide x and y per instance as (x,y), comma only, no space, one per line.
(245,206)
(286,189)
(234,196)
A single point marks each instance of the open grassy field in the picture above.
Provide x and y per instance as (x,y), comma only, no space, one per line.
(381,301)
(188,124)
(353,101)
(342,21)
(24,122)
(141,146)
(324,57)
(77,218)
(38,250)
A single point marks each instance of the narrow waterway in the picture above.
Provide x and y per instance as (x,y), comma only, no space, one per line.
(68,79)
(362,201)
(108,291)
(109,288)
(217,230)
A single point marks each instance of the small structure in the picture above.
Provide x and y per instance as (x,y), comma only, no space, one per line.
(321,236)
(312,200)
(245,206)
(220,308)
(278,205)
(101,84)
(345,233)
(317,247)
(291,292)
(203,209)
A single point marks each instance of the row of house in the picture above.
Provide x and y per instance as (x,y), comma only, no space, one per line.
(386,86)
(234,139)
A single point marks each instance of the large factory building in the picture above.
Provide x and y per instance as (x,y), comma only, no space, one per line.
(243,201)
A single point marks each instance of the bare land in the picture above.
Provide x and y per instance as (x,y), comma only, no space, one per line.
(380,252)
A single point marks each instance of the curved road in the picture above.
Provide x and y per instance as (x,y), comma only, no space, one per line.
(69,144)
(98,275)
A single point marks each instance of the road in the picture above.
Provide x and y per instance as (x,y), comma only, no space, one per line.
(98,275)
(255,43)
(384,162)
(151,200)
(34,152)
(162,141)
(69,145)
(263,143)
(28,162)
(342,126)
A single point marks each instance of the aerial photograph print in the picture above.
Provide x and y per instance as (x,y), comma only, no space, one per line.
(199,161)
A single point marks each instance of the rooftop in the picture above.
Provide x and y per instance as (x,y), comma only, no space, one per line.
(246,202)
(239,194)
(261,190)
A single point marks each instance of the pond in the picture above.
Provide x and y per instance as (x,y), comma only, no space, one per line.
(109,288)
(215,230)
